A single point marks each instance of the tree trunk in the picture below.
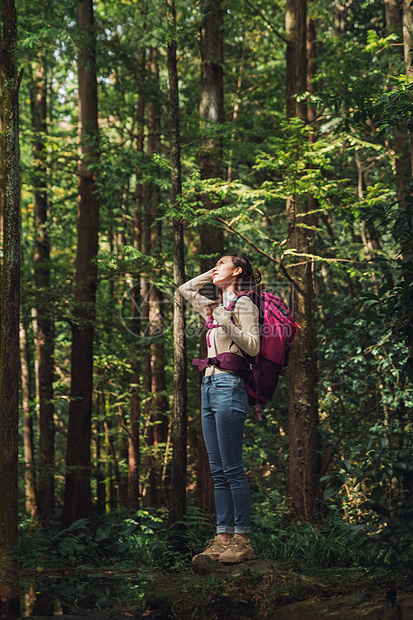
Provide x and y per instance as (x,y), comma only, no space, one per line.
(112,460)
(236,110)
(135,402)
(133,443)
(311,68)
(99,477)
(402,138)
(77,499)
(153,362)
(211,110)
(408,47)
(108,455)
(1,176)
(179,423)
(123,455)
(9,323)
(45,327)
(393,11)
(159,405)
(30,477)
(211,106)
(152,494)
(303,415)
(152,479)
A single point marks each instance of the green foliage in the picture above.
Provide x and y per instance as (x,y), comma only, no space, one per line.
(345,161)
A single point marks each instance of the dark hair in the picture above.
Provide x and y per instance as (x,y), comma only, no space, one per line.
(248,279)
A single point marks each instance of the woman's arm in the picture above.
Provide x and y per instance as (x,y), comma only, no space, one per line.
(246,336)
(190,289)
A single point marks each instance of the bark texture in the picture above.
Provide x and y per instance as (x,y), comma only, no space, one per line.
(401,137)
(1,175)
(408,47)
(28,441)
(135,402)
(179,427)
(156,320)
(158,429)
(9,324)
(45,327)
(211,111)
(303,413)
(77,498)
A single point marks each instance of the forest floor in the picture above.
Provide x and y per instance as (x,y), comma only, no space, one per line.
(260,589)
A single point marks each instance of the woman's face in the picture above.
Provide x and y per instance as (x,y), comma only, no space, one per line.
(225,272)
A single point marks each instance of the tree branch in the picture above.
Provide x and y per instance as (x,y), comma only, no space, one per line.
(252,244)
(258,12)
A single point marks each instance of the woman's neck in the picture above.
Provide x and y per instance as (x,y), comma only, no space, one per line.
(228,288)
(227,294)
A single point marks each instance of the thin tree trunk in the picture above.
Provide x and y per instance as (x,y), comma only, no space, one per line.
(340,13)
(28,442)
(123,455)
(99,477)
(369,233)
(159,403)
(408,47)
(236,109)
(108,456)
(303,414)
(1,175)
(134,444)
(403,168)
(45,327)
(78,499)
(135,402)
(9,323)
(179,427)
(112,457)
(152,495)
(311,67)
(402,138)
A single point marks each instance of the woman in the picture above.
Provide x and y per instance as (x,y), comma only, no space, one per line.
(225,400)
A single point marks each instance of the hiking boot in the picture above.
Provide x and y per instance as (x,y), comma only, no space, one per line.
(214,549)
(237,551)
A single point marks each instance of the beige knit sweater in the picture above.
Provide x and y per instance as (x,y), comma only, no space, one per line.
(231,336)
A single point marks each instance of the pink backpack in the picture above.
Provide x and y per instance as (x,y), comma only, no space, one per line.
(277,331)
(260,373)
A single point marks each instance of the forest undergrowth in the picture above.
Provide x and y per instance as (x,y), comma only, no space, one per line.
(110,561)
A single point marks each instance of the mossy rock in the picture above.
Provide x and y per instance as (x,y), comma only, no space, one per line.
(237,592)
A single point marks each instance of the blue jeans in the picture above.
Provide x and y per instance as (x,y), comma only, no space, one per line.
(224,409)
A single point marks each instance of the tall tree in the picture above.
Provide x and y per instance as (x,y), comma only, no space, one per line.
(179,422)
(408,47)
(1,175)
(28,441)
(135,402)
(45,326)
(152,486)
(153,233)
(9,323)
(77,498)
(303,413)
(211,111)
(401,146)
